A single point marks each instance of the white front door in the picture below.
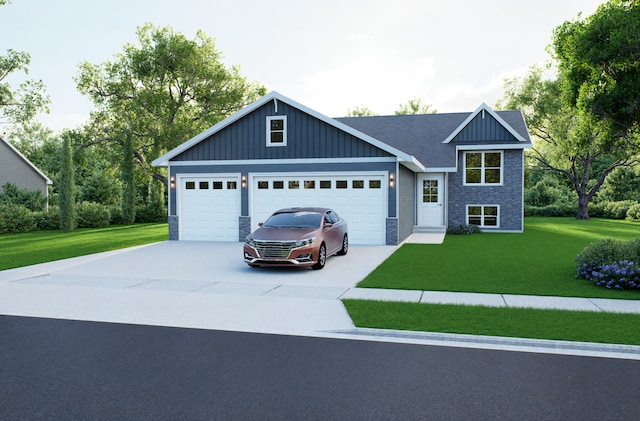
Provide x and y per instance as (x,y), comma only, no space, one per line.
(431,200)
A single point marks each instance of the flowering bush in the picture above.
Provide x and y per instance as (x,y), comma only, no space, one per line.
(623,274)
(610,263)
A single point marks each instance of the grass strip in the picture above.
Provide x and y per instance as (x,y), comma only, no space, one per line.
(17,250)
(582,326)
(539,261)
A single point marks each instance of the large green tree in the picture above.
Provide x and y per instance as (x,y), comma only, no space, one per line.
(567,140)
(599,58)
(161,91)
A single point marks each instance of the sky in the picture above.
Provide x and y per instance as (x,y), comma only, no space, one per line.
(331,56)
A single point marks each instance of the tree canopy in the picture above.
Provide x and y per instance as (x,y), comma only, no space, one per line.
(163,91)
(599,58)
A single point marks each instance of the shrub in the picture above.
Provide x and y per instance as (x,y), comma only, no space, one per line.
(549,210)
(30,199)
(92,215)
(611,210)
(147,213)
(463,229)
(611,263)
(633,214)
(49,219)
(16,218)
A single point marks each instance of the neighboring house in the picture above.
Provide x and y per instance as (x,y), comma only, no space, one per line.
(387,176)
(16,169)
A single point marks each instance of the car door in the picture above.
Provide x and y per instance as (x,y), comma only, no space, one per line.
(332,232)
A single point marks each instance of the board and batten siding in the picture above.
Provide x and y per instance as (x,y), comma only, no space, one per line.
(307,137)
(484,129)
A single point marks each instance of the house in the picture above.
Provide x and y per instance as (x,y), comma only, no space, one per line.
(15,168)
(387,176)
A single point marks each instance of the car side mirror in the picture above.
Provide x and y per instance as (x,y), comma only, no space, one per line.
(260,224)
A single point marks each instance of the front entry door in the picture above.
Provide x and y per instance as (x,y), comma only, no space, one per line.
(431,200)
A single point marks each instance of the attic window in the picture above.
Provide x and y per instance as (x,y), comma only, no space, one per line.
(277,131)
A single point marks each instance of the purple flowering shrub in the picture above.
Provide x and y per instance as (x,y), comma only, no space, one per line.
(611,263)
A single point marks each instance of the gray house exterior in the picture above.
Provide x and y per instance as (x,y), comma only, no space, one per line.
(15,168)
(387,176)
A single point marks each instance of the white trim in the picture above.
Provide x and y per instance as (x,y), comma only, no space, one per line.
(482,216)
(406,159)
(482,108)
(269,130)
(497,146)
(440,169)
(419,192)
(13,148)
(283,161)
(482,169)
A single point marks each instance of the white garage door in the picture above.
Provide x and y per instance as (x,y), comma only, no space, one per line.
(360,199)
(209,208)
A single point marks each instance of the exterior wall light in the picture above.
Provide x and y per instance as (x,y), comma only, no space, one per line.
(244,181)
(391,180)
(173,182)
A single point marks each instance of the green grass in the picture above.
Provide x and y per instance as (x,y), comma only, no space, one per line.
(17,250)
(579,326)
(540,261)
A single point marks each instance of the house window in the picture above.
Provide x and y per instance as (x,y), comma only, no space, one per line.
(277,131)
(483,215)
(483,168)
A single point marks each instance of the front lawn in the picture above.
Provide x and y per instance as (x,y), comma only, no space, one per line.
(582,326)
(540,261)
(17,250)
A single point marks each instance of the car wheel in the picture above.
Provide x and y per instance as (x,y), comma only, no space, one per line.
(345,246)
(322,257)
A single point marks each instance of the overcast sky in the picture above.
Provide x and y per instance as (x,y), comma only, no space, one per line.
(330,55)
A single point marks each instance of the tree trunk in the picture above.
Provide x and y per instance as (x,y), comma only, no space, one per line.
(583,206)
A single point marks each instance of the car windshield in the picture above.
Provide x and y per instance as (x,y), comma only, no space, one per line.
(294,220)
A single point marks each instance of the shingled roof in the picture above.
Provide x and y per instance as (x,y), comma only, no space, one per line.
(422,135)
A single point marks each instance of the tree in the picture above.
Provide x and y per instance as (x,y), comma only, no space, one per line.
(599,58)
(567,140)
(161,92)
(67,187)
(415,106)
(360,111)
(18,106)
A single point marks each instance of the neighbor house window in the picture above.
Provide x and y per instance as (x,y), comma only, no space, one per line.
(483,168)
(277,131)
(483,215)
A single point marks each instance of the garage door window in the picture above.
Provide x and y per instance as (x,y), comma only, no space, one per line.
(203,185)
(190,185)
(262,185)
(358,184)
(217,185)
(310,184)
(294,184)
(232,185)
(341,184)
(375,184)
(325,184)
(278,184)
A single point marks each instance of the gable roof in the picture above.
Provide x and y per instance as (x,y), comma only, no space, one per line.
(403,157)
(482,109)
(26,161)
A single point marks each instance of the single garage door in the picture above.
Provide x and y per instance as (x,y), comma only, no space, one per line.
(209,208)
(361,199)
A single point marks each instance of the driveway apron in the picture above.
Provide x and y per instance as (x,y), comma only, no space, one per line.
(190,284)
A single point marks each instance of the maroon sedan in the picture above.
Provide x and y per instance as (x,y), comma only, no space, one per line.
(297,237)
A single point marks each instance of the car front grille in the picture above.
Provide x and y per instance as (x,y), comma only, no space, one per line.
(275,249)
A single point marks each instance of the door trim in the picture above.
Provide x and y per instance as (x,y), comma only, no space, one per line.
(442,178)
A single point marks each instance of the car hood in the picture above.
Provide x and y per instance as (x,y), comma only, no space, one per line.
(283,234)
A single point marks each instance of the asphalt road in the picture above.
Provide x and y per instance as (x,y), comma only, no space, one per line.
(60,369)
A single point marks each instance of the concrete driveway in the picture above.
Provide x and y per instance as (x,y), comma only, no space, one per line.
(189,284)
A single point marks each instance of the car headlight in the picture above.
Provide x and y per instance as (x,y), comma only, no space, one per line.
(250,241)
(305,242)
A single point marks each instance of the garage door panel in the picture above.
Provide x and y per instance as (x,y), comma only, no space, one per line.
(363,207)
(210,210)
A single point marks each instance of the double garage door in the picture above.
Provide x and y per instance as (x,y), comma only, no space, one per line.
(209,207)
